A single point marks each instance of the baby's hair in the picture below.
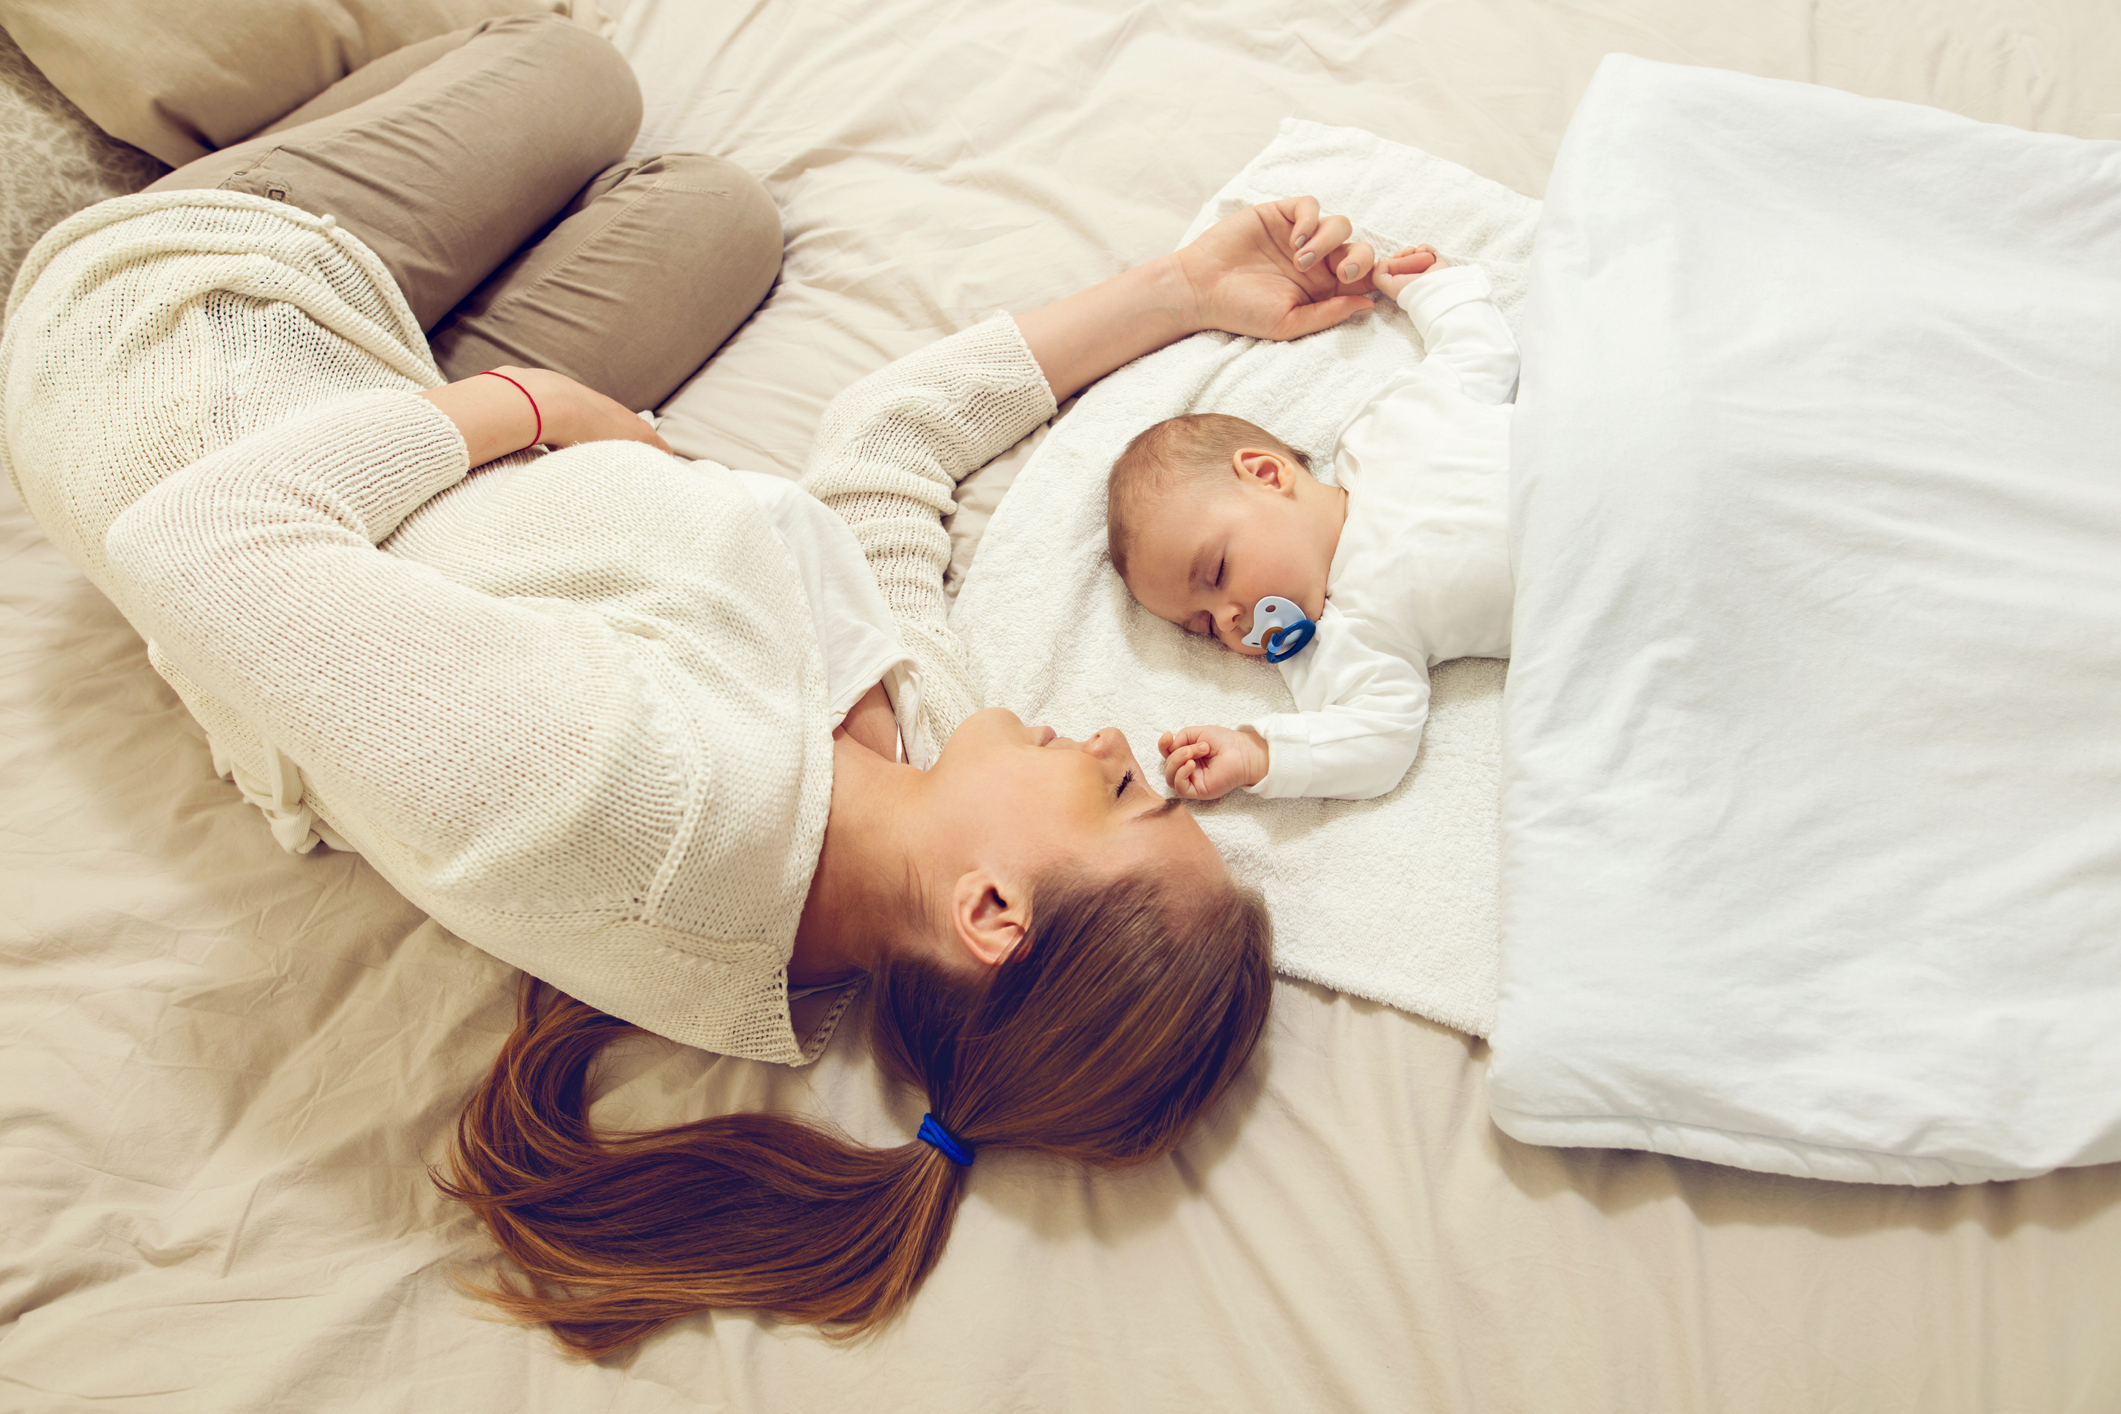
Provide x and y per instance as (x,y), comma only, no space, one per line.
(1178,450)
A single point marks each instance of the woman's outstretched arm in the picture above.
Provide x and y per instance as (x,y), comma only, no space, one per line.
(892,448)
(889,454)
(1274,271)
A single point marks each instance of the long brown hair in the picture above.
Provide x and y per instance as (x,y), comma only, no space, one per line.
(1128,1010)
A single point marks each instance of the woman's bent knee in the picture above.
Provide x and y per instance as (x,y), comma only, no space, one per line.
(655,265)
(723,234)
(582,74)
(743,232)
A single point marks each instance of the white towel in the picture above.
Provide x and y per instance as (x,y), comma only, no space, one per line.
(1394,898)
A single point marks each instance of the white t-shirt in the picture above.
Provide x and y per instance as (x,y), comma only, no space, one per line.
(855,633)
(1422,571)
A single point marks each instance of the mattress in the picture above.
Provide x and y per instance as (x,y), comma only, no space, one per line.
(223,1071)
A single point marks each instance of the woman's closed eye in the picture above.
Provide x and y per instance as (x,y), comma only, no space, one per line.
(1124,781)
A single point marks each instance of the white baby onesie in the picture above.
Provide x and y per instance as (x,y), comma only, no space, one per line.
(1422,571)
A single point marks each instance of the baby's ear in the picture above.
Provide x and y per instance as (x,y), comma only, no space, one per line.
(1269,469)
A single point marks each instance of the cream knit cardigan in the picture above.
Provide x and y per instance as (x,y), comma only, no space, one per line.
(577,712)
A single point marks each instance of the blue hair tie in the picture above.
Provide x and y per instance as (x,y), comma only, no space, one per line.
(933,1133)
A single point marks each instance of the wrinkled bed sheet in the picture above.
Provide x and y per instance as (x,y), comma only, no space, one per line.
(223,1070)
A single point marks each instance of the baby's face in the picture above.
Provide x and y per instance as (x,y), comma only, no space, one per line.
(1204,556)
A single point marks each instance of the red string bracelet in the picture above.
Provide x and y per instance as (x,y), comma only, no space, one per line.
(539,435)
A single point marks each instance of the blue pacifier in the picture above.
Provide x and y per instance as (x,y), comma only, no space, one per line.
(1284,624)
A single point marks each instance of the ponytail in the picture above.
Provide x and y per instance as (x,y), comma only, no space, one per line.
(1125,1014)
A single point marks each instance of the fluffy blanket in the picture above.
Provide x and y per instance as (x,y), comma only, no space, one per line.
(1393,898)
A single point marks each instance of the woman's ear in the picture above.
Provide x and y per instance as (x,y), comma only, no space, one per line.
(1268,469)
(988,919)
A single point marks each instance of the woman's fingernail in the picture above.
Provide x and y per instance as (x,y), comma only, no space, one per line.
(1347,272)
(1308,259)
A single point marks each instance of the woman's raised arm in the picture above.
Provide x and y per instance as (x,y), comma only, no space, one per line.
(889,454)
(1274,271)
(892,448)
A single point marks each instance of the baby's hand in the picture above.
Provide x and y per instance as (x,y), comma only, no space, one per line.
(1206,763)
(1396,274)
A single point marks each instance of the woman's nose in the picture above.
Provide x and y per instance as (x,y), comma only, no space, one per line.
(1109,745)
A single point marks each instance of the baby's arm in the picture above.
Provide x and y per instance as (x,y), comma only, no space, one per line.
(1365,701)
(1454,311)
(1207,763)
(1365,695)
(1395,273)
(1341,752)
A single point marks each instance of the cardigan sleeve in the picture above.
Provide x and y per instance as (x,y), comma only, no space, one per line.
(890,451)
(483,737)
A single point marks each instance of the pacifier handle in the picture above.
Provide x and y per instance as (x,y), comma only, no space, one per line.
(1282,625)
(1285,643)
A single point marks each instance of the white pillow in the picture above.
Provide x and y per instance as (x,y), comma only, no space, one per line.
(1812,802)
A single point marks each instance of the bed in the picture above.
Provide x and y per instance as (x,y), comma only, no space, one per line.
(224,1071)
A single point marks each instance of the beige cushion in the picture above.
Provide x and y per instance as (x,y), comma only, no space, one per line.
(57,160)
(182,78)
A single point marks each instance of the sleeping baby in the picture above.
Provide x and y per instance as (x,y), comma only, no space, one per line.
(1354,590)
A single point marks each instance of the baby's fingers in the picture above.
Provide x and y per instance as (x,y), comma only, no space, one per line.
(1176,766)
(1180,766)
(1178,740)
(1412,261)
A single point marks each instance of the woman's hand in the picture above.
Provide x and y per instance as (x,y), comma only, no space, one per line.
(534,405)
(1277,271)
(575,414)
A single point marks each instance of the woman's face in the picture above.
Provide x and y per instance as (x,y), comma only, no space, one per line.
(1030,799)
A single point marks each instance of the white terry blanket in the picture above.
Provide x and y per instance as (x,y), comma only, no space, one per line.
(1812,817)
(1393,898)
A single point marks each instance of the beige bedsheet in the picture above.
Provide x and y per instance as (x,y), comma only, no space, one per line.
(222,1069)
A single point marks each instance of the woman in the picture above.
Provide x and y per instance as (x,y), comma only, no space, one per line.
(630,723)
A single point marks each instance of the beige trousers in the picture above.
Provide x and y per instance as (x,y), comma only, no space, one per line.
(483,168)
